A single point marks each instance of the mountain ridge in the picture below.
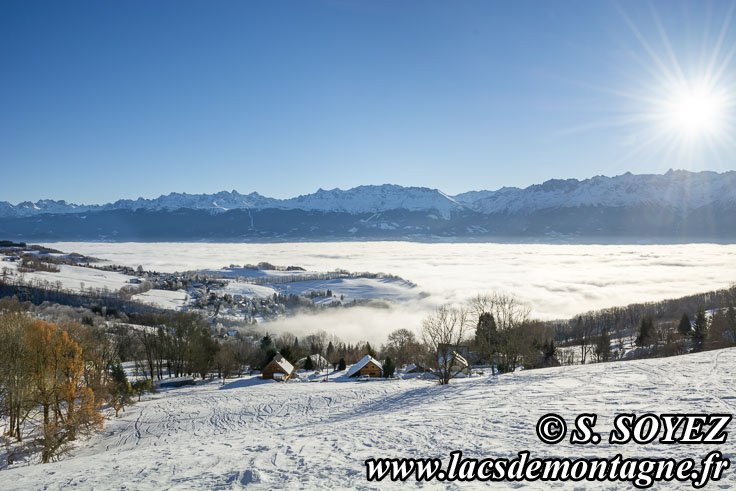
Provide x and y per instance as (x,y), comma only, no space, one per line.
(675,206)
(681,190)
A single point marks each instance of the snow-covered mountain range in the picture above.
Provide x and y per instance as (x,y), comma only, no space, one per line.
(677,205)
(362,199)
(679,190)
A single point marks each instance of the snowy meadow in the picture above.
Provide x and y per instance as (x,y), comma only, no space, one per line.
(259,434)
(557,281)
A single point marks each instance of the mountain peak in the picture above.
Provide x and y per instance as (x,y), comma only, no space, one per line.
(676,189)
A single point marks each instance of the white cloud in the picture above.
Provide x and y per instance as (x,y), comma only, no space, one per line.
(556,280)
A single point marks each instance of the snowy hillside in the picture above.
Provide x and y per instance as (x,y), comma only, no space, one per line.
(238,293)
(77,279)
(266,435)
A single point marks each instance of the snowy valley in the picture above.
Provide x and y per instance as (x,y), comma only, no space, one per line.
(256,434)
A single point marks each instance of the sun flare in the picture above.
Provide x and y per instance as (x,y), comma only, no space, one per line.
(695,111)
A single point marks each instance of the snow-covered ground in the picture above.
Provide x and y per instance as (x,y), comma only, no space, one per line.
(77,277)
(285,282)
(266,435)
(349,288)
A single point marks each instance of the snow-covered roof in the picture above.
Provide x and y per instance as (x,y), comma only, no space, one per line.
(454,355)
(317,359)
(283,363)
(414,366)
(363,362)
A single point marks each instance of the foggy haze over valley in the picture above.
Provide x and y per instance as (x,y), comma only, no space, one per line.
(557,281)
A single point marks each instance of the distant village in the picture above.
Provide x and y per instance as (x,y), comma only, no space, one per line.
(204,289)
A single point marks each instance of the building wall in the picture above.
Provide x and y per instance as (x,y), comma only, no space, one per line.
(270,369)
(370,369)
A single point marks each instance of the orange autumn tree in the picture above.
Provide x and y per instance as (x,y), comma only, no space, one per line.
(57,373)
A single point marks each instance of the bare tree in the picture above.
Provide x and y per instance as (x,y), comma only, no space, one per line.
(584,331)
(507,310)
(511,318)
(15,380)
(402,346)
(442,331)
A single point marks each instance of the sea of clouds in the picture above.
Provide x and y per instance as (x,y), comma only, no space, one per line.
(557,281)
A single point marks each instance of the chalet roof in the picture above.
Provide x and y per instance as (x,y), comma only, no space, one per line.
(414,366)
(283,363)
(363,362)
(454,355)
(317,359)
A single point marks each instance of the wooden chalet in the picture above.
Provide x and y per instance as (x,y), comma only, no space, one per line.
(416,368)
(366,366)
(319,362)
(456,362)
(279,369)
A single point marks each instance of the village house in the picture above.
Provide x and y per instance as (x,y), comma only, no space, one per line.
(366,366)
(416,368)
(278,369)
(457,363)
(319,362)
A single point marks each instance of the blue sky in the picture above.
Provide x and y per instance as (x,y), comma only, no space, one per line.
(105,100)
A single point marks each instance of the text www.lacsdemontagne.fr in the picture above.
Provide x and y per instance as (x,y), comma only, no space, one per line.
(642,473)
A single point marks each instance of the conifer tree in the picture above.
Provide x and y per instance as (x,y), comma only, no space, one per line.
(646,334)
(341,364)
(603,346)
(731,323)
(119,387)
(486,336)
(266,342)
(549,351)
(388,368)
(141,386)
(308,363)
(685,326)
(700,329)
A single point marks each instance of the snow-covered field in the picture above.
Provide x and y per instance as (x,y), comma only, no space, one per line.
(346,290)
(266,435)
(78,277)
(351,288)
(301,282)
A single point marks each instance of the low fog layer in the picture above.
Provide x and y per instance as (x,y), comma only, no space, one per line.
(556,280)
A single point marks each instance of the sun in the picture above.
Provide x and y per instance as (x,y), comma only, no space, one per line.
(675,103)
(695,110)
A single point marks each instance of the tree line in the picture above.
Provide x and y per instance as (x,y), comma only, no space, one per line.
(662,328)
